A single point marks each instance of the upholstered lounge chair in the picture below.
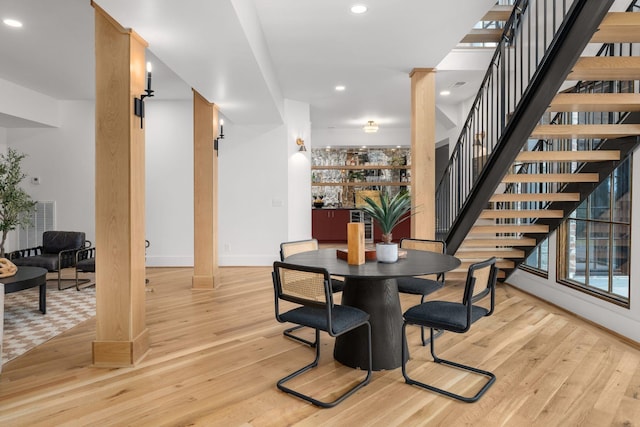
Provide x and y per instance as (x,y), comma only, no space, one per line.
(58,251)
(85,263)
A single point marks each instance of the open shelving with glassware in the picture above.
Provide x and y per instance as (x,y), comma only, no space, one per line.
(338,173)
(366,183)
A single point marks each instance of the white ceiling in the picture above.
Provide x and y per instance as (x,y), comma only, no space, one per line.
(248,55)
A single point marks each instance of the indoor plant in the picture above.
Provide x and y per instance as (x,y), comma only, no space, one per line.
(15,203)
(388,212)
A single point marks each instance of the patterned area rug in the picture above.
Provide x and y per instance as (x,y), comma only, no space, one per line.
(25,327)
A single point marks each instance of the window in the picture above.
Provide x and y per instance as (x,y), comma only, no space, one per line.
(594,243)
(538,260)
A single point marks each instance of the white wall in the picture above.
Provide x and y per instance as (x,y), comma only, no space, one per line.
(253,173)
(64,160)
(297,116)
(28,107)
(169,182)
(357,137)
(621,320)
(265,189)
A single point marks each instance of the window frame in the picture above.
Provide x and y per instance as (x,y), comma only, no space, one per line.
(561,247)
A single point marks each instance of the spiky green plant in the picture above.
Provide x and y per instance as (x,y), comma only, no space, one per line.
(15,203)
(390,212)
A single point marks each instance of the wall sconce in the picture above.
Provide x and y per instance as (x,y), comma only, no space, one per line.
(478,139)
(370,127)
(220,136)
(138,103)
(300,142)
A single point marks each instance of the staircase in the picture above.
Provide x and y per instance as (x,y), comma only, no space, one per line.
(490,28)
(525,170)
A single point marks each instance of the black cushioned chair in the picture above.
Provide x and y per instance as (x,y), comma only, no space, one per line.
(455,317)
(85,263)
(58,251)
(290,248)
(310,289)
(419,285)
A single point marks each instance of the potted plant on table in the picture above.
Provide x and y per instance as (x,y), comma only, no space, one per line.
(388,212)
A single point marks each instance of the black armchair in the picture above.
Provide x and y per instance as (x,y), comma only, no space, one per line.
(58,251)
(85,263)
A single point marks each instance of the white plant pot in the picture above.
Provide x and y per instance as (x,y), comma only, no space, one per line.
(387,252)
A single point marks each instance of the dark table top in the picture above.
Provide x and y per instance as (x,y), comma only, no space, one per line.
(26,277)
(416,263)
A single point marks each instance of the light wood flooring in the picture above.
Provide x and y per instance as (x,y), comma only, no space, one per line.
(216,355)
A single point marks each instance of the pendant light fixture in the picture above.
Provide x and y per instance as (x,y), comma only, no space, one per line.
(370,127)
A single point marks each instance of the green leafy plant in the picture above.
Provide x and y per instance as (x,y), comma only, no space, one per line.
(15,204)
(389,212)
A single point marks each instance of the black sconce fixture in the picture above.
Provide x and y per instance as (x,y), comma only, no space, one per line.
(220,136)
(138,103)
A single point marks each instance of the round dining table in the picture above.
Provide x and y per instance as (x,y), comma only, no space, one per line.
(372,287)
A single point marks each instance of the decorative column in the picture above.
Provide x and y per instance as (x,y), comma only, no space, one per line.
(205,188)
(122,337)
(423,152)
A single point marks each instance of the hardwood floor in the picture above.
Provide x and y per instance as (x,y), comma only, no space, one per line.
(216,355)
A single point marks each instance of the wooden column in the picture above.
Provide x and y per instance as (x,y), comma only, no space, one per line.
(121,335)
(205,189)
(423,152)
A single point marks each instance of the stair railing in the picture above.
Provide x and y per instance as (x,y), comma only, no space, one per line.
(530,34)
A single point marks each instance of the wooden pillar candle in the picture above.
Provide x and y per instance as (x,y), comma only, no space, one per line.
(355,243)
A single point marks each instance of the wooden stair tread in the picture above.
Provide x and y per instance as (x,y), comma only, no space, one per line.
(606,68)
(500,263)
(536,197)
(483,35)
(460,274)
(467,253)
(585,131)
(618,27)
(568,156)
(509,228)
(551,177)
(497,241)
(567,102)
(521,213)
(498,12)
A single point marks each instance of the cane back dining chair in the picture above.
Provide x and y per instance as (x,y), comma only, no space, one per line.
(294,247)
(310,289)
(455,317)
(419,285)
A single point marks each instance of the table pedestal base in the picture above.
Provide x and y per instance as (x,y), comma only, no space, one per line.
(380,299)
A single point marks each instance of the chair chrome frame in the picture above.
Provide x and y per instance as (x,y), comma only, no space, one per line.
(473,313)
(325,320)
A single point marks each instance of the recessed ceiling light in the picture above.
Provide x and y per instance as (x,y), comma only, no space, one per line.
(358,8)
(340,88)
(12,23)
(445,92)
